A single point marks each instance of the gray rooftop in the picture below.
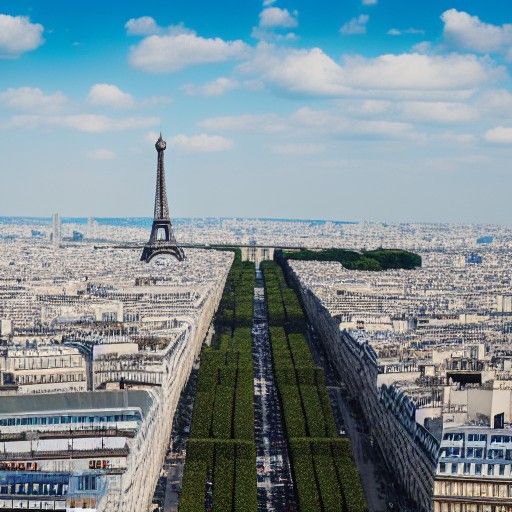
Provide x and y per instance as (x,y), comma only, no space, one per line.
(88,400)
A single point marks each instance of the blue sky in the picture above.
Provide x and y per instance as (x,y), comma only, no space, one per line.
(356,109)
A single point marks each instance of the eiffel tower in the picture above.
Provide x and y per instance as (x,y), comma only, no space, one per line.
(162,239)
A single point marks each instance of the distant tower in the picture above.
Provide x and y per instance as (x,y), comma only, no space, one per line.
(162,239)
(57,229)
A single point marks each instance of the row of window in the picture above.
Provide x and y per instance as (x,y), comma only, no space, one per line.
(29,363)
(59,420)
(470,507)
(461,488)
(477,453)
(469,468)
(46,379)
(459,436)
(37,489)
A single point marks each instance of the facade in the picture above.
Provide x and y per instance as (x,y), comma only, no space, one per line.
(431,375)
(74,451)
(42,367)
(474,471)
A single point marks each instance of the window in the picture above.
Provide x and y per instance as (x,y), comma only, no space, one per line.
(478,469)
(454,468)
(495,454)
(442,467)
(467,468)
(490,469)
(502,469)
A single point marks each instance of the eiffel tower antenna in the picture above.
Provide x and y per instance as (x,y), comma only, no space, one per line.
(162,240)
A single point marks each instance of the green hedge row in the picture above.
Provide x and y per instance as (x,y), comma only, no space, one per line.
(221,448)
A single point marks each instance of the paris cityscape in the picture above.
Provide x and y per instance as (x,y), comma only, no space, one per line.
(255,256)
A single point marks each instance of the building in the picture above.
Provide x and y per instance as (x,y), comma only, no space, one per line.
(76,451)
(42,367)
(56,229)
(426,356)
(474,472)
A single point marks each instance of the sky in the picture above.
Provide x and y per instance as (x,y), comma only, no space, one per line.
(379,110)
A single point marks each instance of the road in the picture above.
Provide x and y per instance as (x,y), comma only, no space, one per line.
(275,488)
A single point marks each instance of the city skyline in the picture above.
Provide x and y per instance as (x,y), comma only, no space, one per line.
(367,110)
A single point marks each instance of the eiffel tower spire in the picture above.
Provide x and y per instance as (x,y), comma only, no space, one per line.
(162,240)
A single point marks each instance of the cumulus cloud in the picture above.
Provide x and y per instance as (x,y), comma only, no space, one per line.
(467,32)
(201,143)
(216,87)
(312,72)
(88,123)
(109,95)
(168,53)
(275,17)
(499,135)
(356,25)
(143,26)
(272,21)
(101,154)
(18,35)
(32,99)
(147,26)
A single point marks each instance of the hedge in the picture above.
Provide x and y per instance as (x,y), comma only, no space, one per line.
(221,447)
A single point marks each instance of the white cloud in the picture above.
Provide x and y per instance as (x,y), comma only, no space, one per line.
(18,35)
(499,135)
(88,123)
(201,143)
(400,32)
(101,154)
(264,34)
(143,26)
(326,121)
(374,106)
(312,72)
(271,22)
(275,17)
(418,71)
(298,149)
(356,25)
(497,102)
(170,53)
(369,2)
(216,87)
(438,112)
(297,71)
(109,95)
(267,3)
(32,99)
(147,26)
(268,123)
(469,33)
(307,120)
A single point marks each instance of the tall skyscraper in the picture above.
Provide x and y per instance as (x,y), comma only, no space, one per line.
(57,229)
(162,240)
